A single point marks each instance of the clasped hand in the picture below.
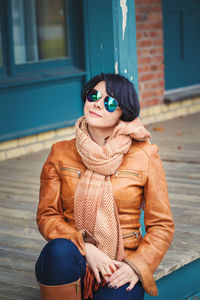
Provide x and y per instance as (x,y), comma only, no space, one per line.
(102,263)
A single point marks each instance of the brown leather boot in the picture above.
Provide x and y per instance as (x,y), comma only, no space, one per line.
(70,291)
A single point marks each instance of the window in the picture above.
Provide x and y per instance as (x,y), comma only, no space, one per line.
(40,35)
(39,30)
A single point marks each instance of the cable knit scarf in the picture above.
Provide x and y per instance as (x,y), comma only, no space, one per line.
(94,206)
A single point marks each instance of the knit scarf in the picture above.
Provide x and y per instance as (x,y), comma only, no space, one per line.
(94,207)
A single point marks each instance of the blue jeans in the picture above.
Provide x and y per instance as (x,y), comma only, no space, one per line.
(60,262)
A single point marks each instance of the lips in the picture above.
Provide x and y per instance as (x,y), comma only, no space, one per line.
(94,114)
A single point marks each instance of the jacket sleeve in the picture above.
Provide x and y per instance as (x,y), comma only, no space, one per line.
(159,225)
(50,218)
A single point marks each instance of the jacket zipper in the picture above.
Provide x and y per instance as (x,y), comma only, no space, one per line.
(126,172)
(72,170)
(77,289)
(131,234)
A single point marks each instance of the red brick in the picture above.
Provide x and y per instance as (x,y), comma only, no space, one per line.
(144,60)
(153,102)
(157,42)
(146,77)
(143,69)
(145,43)
(143,51)
(154,17)
(159,49)
(156,33)
(144,2)
(143,26)
(154,85)
(153,51)
(156,51)
(156,8)
(157,59)
(145,34)
(148,94)
(158,92)
(155,2)
(156,25)
(142,9)
(150,102)
(138,35)
(138,18)
(158,75)
(153,67)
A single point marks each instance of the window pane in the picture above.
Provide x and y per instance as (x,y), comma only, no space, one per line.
(39,29)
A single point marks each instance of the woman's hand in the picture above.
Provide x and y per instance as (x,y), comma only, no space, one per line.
(123,275)
(99,262)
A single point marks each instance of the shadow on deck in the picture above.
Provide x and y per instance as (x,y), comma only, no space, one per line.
(21,243)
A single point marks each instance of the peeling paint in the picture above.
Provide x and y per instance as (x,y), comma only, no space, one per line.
(116,68)
(125,71)
(131,78)
(124,15)
(101,46)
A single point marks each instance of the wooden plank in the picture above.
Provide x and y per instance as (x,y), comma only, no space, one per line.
(26,278)
(19,178)
(24,205)
(17,191)
(24,254)
(182,197)
(21,243)
(13,291)
(21,232)
(18,222)
(12,196)
(24,214)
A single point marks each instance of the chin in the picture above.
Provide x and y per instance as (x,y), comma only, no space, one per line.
(94,123)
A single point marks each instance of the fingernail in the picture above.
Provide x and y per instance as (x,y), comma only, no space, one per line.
(109,285)
(115,286)
(128,290)
(99,282)
(108,282)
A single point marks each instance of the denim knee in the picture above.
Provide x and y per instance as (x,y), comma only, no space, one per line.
(60,248)
(60,262)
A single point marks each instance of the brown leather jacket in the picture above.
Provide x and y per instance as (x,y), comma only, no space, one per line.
(140,180)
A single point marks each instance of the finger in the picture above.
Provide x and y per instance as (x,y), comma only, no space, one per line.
(117,263)
(109,270)
(131,286)
(106,273)
(119,281)
(115,275)
(96,274)
(113,268)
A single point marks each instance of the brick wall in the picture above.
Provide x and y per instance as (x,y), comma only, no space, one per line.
(150,51)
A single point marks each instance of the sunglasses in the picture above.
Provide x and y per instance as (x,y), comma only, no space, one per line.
(110,103)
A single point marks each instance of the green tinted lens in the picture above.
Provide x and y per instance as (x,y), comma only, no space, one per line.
(110,104)
(93,95)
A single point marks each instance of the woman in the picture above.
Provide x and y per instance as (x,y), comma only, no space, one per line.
(92,190)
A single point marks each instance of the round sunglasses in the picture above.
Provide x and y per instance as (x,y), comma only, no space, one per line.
(110,103)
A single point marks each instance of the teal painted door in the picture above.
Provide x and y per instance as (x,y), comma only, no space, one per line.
(181,21)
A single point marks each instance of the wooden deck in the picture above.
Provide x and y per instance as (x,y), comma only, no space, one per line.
(21,243)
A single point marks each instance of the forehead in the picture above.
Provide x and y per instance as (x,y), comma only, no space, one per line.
(101,86)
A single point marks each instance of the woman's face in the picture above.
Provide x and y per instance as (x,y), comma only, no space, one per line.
(95,113)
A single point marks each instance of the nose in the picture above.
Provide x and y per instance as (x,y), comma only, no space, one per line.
(99,104)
